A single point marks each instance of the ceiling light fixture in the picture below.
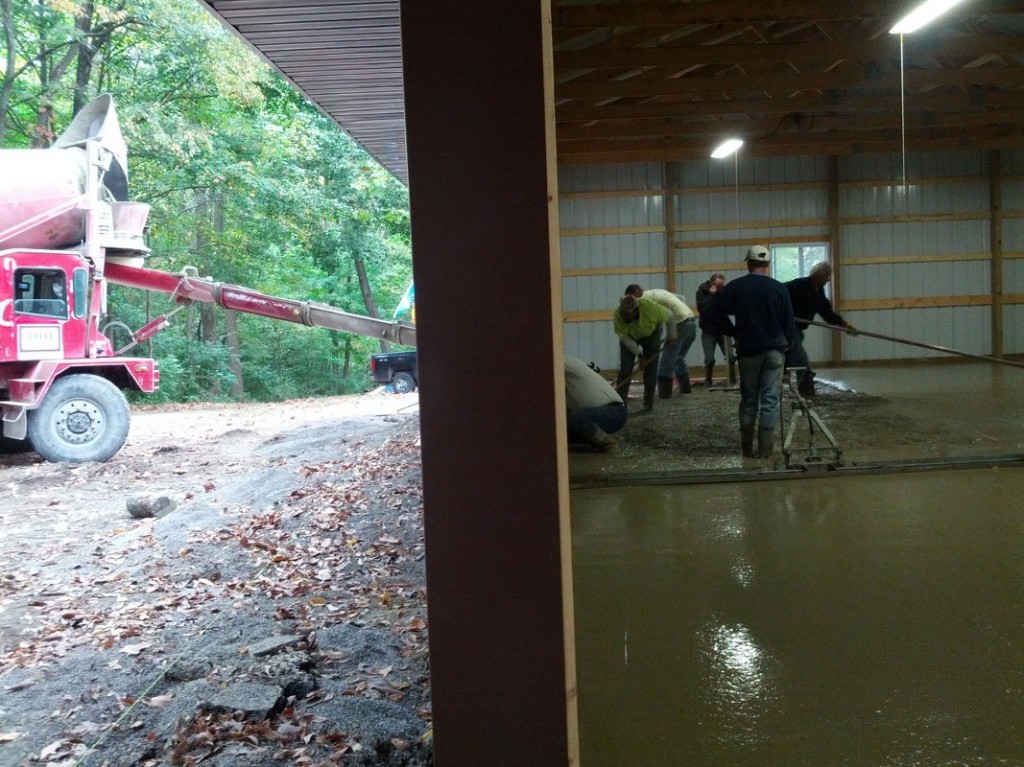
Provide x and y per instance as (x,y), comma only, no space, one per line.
(924,13)
(727,147)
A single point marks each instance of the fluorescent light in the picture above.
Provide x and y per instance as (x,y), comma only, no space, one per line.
(727,147)
(921,15)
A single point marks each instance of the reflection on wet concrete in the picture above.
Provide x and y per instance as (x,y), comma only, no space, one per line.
(980,400)
(846,621)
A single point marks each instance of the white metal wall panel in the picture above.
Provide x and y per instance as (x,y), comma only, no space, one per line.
(914,200)
(1013,162)
(787,170)
(929,325)
(966,193)
(613,250)
(598,293)
(765,235)
(793,207)
(1013,328)
(1013,250)
(592,342)
(760,170)
(613,212)
(818,345)
(1013,284)
(943,326)
(869,167)
(1013,234)
(598,178)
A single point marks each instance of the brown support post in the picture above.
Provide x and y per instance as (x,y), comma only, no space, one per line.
(834,250)
(669,203)
(480,130)
(995,199)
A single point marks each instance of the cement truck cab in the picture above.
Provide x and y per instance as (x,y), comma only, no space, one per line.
(43,314)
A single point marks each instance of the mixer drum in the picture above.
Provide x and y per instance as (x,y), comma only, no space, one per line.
(35,181)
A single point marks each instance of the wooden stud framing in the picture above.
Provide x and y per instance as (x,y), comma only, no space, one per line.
(671,184)
(833,249)
(995,197)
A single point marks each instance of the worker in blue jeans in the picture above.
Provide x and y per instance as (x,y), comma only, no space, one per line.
(594,410)
(764,330)
(672,361)
(638,323)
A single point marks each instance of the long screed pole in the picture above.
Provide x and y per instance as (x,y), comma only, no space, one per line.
(933,347)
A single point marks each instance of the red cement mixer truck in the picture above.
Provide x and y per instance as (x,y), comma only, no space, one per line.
(67,230)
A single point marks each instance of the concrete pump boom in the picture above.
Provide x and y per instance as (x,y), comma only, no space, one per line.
(184,287)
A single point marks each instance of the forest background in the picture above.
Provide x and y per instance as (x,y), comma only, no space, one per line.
(248,182)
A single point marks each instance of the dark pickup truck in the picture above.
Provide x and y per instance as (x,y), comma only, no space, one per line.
(398,369)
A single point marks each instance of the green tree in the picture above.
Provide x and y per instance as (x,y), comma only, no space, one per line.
(248,183)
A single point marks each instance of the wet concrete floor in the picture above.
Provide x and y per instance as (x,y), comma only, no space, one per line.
(833,620)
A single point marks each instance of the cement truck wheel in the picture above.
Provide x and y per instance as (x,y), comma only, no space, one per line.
(83,418)
(403,383)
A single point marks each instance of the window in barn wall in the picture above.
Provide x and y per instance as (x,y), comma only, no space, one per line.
(792,261)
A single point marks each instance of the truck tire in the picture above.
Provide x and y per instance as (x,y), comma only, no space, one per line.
(403,383)
(83,418)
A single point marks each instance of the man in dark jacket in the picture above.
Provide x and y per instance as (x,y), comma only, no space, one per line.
(809,300)
(764,331)
(710,337)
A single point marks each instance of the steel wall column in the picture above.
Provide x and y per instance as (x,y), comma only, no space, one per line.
(479,119)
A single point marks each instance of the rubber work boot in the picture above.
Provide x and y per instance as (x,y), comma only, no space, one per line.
(601,440)
(664,388)
(649,399)
(684,384)
(708,370)
(806,385)
(623,391)
(765,443)
(747,441)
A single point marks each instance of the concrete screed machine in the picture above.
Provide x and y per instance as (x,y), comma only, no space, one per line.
(67,230)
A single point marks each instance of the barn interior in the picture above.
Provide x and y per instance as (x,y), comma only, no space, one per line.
(670,602)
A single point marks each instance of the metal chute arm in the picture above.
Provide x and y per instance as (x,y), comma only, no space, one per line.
(239,299)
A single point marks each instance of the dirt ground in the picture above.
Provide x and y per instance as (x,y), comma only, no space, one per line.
(276,614)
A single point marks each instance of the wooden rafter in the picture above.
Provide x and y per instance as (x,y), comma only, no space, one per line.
(661,79)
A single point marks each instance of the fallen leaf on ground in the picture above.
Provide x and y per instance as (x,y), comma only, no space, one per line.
(135,649)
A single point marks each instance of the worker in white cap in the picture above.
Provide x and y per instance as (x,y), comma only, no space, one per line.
(764,330)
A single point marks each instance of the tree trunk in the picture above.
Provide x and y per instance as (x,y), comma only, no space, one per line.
(7,84)
(86,54)
(201,245)
(234,353)
(371,305)
(231,338)
(208,328)
(42,134)
(50,74)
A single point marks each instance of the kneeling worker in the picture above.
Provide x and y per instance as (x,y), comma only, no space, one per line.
(595,408)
